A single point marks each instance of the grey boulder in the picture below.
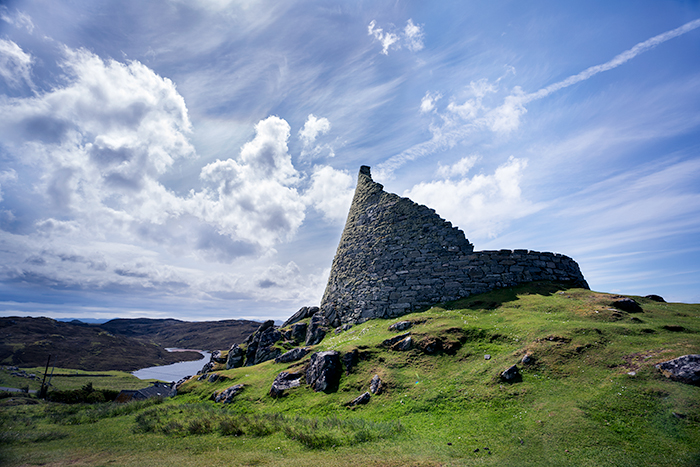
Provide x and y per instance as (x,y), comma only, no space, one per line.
(323,371)
(293,355)
(284,381)
(685,369)
(229,393)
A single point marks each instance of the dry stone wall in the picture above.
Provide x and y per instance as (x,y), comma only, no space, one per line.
(396,257)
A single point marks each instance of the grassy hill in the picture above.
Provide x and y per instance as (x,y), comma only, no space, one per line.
(591,397)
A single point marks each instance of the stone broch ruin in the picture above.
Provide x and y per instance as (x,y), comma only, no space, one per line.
(396,257)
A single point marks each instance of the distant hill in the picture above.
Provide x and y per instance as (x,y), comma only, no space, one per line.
(121,344)
(202,335)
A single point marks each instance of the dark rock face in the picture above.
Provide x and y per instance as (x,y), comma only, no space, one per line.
(685,369)
(284,381)
(206,368)
(303,313)
(293,355)
(400,326)
(228,394)
(375,386)
(396,257)
(511,375)
(628,305)
(266,353)
(360,400)
(656,298)
(527,359)
(236,357)
(260,344)
(317,329)
(350,360)
(213,377)
(299,332)
(323,372)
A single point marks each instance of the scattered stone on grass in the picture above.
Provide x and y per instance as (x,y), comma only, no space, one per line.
(229,393)
(375,386)
(628,305)
(403,345)
(360,400)
(390,342)
(656,298)
(400,326)
(685,369)
(527,359)
(512,375)
(487,357)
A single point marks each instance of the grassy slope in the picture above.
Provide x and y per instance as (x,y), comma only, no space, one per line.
(576,406)
(105,380)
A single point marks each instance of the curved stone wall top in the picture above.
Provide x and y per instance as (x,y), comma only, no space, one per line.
(396,256)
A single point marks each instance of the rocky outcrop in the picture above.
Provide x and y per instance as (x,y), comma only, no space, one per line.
(396,257)
(284,381)
(293,355)
(236,357)
(303,313)
(316,330)
(685,369)
(260,344)
(299,332)
(323,371)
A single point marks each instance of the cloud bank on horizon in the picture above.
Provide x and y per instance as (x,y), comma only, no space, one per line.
(197,160)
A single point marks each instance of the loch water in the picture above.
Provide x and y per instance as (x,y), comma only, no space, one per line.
(174,371)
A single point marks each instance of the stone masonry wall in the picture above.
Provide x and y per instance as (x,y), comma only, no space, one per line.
(396,257)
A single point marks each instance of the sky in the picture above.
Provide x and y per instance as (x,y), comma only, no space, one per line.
(196,159)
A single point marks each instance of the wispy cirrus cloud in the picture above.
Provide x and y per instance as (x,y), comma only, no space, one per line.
(505,118)
(15,65)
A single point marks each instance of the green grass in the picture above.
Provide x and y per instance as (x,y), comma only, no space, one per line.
(99,379)
(577,404)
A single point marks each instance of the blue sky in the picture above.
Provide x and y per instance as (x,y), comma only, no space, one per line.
(196,159)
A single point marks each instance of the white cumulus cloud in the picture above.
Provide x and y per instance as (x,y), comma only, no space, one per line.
(331,192)
(482,205)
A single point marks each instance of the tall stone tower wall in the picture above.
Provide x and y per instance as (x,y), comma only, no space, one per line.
(396,257)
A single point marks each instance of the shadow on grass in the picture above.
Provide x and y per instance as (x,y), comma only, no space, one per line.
(496,298)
